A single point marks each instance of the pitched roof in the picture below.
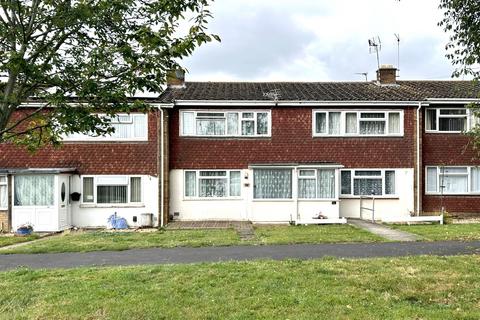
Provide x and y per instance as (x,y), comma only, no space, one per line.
(322,91)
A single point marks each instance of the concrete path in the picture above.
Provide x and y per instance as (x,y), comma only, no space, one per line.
(384,231)
(236,253)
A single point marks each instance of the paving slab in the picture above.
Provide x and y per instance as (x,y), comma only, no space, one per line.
(236,253)
(384,231)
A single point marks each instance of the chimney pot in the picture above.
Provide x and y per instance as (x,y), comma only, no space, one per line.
(387,74)
(176,78)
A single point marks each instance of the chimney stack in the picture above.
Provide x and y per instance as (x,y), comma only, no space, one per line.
(387,74)
(176,78)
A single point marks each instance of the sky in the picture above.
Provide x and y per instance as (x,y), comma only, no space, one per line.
(320,40)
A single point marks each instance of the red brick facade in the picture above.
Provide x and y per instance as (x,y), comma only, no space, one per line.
(443,149)
(292,142)
(91,157)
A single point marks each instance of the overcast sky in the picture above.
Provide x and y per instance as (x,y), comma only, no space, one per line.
(320,40)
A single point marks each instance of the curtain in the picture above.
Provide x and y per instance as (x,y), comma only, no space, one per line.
(234,183)
(122,130)
(3,192)
(262,123)
(394,122)
(307,188)
(389,182)
(211,127)
(272,183)
(34,190)
(188,119)
(213,188)
(135,189)
(346,177)
(326,183)
(372,127)
(88,189)
(432,179)
(334,123)
(351,122)
(475,179)
(232,123)
(321,122)
(190,183)
(455,184)
(366,187)
(140,126)
(248,127)
(453,124)
(112,194)
(431,115)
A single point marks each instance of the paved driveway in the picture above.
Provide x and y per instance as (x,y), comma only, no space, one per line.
(236,253)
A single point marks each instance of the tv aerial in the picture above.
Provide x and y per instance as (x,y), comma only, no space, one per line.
(365,74)
(375,45)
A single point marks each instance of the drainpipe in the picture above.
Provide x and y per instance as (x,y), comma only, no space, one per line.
(162,169)
(419,167)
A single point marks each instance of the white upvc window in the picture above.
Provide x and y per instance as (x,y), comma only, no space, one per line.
(272,183)
(212,184)
(368,182)
(128,127)
(107,190)
(223,123)
(316,183)
(452,180)
(357,123)
(3,193)
(453,120)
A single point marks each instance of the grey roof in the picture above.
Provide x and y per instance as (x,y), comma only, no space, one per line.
(323,91)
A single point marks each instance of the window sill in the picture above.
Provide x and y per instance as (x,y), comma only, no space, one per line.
(369,197)
(120,205)
(212,199)
(273,200)
(227,137)
(317,200)
(445,132)
(454,194)
(358,136)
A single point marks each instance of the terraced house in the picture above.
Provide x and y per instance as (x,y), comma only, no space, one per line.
(264,152)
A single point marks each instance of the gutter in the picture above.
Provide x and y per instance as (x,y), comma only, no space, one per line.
(290,103)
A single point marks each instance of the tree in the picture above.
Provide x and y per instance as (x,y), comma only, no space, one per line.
(462,21)
(96,53)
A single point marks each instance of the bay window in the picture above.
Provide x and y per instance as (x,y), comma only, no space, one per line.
(452,180)
(3,192)
(316,184)
(358,123)
(127,127)
(212,183)
(272,183)
(367,182)
(111,190)
(448,120)
(255,123)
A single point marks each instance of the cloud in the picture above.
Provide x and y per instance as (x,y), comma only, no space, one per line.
(322,40)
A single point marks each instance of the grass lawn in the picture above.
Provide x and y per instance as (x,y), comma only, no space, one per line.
(401,288)
(9,240)
(312,234)
(444,232)
(99,240)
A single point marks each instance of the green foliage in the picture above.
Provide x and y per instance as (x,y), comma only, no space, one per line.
(98,53)
(461,232)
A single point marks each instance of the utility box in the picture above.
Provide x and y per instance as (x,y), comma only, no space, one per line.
(146,220)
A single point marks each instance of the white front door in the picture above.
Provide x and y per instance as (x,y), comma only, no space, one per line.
(63,193)
(34,202)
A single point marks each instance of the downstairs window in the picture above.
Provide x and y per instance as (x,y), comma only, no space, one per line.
(452,180)
(112,190)
(377,182)
(212,184)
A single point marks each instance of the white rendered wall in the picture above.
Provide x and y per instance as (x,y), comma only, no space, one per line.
(400,205)
(91,215)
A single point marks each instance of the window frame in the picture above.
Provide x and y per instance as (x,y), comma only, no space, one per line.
(226,134)
(438,177)
(109,138)
(197,184)
(469,118)
(6,190)
(129,182)
(358,112)
(315,176)
(382,176)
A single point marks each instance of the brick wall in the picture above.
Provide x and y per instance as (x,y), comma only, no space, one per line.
(91,157)
(291,141)
(443,149)
(3,221)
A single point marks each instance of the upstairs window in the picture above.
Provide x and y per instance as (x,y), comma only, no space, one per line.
(225,124)
(128,127)
(452,180)
(448,120)
(378,182)
(358,123)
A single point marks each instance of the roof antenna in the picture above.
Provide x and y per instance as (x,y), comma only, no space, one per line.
(397,35)
(365,74)
(375,45)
